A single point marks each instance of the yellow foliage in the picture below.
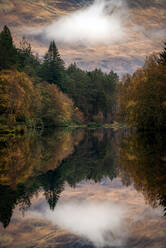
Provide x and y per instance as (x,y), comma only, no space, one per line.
(18,95)
(131,157)
(131,104)
(22,101)
(22,158)
(57,106)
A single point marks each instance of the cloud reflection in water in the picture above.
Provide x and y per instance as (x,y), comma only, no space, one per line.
(102,223)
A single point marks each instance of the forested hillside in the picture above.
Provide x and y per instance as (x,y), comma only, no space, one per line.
(43,92)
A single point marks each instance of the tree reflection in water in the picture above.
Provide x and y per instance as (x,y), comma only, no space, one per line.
(46,163)
(142,162)
(35,164)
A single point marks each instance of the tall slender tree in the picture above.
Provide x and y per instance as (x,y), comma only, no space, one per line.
(7,49)
(53,69)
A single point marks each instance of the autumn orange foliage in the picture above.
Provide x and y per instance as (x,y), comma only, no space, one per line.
(24,102)
(142,97)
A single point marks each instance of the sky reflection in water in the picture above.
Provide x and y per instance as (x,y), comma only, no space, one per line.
(101,214)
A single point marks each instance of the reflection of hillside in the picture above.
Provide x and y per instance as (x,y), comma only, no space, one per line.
(21,158)
(46,163)
(58,146)
(92,159)
(142,161)
(18,158)
(33,164)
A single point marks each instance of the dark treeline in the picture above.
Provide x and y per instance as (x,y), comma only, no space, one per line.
(42,92)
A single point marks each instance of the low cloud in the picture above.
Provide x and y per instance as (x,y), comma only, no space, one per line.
(100,23)
(106,28)
(99,222)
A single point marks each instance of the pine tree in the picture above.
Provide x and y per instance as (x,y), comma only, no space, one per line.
(52,69)
(162,55)
(7,49)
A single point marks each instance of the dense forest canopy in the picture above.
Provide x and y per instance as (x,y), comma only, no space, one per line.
(40,92)
(43,92)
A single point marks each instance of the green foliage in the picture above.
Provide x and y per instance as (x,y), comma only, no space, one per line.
(52,69)
(93,92)
(26,61)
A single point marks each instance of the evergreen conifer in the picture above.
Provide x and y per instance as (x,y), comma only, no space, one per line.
(7,49)
(52,69)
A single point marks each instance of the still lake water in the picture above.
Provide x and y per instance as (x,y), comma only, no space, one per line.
(83,189)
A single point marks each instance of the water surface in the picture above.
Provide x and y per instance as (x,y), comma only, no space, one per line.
(83,188)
